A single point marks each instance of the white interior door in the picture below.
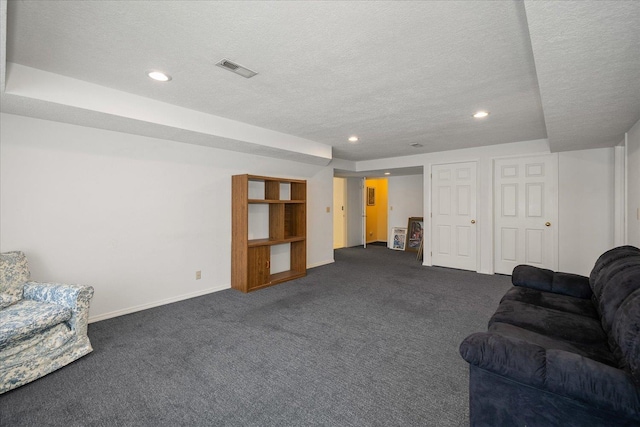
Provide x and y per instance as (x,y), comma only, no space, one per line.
(453,215)
(339,213)
(526,212)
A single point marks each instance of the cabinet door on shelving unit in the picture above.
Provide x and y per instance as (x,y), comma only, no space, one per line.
(259,268)
(299,256)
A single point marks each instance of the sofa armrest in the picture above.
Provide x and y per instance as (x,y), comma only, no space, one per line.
(556,371)
(593,383)
(510,357)
(75,297)
(573,285)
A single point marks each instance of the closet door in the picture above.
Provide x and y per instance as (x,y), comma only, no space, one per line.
(526,212)
(453,212)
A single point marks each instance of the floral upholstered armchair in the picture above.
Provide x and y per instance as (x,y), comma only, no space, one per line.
(43,326)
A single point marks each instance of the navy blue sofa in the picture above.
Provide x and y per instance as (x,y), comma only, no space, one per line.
(561,349)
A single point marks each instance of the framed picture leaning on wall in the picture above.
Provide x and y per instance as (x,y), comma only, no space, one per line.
(399,238)
(415,231)
(371,196)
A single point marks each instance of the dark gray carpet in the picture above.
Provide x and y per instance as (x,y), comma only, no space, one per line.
(371,340)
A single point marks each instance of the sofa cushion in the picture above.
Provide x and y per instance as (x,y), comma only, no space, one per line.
(26,318)
(528,276)
(625,335)
(604,276)
(38,345)
(599,352)
(605,261)
(6,299)
(615,281)
(14,273)
(581,306)
(618,287)
(550,322)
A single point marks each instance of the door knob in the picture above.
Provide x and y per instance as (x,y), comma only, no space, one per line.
(473,221)
(548,224)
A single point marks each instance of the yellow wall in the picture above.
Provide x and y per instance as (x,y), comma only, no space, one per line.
(377,215)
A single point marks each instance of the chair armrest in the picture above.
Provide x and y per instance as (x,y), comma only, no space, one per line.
(75,297)
(573,285)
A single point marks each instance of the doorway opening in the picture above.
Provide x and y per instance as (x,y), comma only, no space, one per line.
(375,204)
(376,217)
(339,213)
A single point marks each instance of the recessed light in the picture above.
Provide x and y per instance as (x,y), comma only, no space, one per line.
(159,76)
(481,114)
(387,173)
(353,139)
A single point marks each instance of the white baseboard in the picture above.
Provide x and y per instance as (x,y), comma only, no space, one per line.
(141,307)
(318,264)
(183,297)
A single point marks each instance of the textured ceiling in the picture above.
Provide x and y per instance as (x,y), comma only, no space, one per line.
(394,73)
(587,58)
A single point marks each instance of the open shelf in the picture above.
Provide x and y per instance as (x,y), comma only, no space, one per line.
(275,201)
(251,259)
(268,242)
(285,275)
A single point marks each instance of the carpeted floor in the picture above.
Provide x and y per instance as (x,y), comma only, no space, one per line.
(371,340)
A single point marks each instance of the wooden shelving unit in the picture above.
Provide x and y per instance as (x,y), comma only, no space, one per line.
(251,258)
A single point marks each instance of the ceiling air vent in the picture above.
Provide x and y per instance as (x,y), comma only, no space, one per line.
(238,69)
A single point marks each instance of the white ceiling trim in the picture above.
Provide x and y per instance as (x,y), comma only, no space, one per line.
(487,152)
(394,73)
(40,85)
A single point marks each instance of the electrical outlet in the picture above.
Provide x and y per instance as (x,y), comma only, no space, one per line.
(198,275)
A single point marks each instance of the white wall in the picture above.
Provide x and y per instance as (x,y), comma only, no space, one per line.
(484,157)
(354,212)
(406,199)
(619,194)
(586,208)
(132,216)
(633,185)
(339,212)
(319,221)
(594,178)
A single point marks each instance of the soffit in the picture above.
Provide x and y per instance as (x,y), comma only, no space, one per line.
(394,73)
(587,57)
